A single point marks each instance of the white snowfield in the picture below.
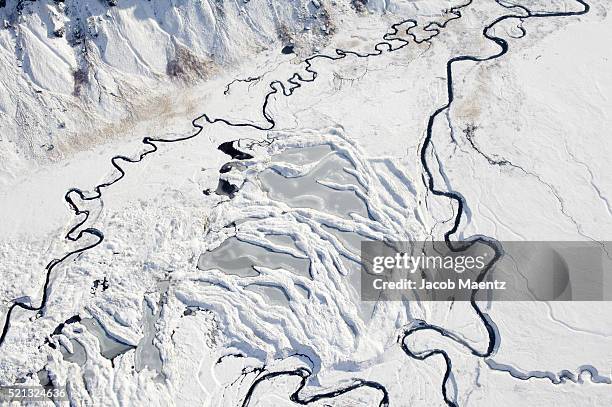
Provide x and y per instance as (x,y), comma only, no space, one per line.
(189,277)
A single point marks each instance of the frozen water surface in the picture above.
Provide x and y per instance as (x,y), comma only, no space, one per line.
(307,191)
(78,355)
(147,354)
(305,155)
(238,258)
(110,348)
(275,295)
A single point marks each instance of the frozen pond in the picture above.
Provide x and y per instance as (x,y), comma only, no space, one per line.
(78,355)
(110,348)
(147,354)
(307,191)
(306,155)
(275,295)
(238,258)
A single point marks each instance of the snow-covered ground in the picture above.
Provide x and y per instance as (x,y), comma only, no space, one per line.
(238,284)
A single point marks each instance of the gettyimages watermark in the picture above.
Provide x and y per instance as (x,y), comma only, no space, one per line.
(500,271)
